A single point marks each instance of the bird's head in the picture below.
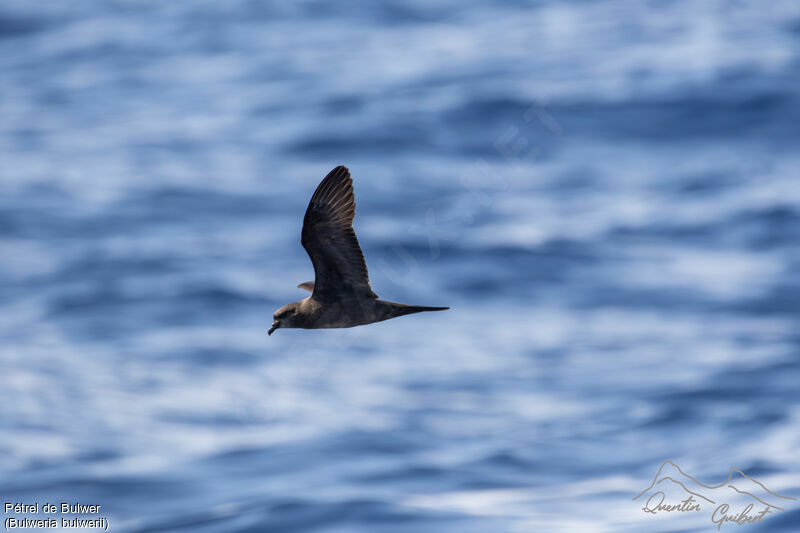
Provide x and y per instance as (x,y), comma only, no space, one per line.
(285,317)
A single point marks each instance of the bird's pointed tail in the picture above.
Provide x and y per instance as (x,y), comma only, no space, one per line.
(393,309)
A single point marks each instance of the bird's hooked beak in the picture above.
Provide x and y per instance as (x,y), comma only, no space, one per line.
(275,325)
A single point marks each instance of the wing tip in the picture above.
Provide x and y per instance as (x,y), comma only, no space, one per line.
(307,285)
(338,175)
(333,184)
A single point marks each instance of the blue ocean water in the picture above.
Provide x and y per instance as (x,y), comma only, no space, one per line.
(606,194)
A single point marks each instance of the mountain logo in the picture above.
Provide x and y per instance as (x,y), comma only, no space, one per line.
(740,499)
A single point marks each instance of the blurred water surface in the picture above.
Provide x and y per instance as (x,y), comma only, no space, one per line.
(606,193)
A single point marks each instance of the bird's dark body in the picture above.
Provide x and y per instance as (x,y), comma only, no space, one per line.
(314,315)
(341,295)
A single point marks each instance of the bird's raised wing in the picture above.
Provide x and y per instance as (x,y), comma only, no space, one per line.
(328,237)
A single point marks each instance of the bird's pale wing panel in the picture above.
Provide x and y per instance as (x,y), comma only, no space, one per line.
(331,243)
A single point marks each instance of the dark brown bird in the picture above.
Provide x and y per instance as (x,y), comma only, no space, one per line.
(341,296)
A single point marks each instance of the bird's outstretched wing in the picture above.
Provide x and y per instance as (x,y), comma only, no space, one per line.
(328,237)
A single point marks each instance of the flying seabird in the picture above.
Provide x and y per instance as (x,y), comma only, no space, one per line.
(341,296)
